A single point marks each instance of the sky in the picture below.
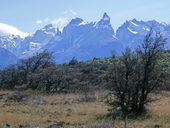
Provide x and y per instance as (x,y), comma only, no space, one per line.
(30,15)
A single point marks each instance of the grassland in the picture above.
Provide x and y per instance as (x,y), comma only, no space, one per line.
(74,109)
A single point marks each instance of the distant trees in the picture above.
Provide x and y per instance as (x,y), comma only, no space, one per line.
(50,79)
(9,77)
(18,74)
(136,75)
(40,72)
(34,63)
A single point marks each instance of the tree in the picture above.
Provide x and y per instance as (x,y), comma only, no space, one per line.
(18,74)
(73,61)
(136,75)
(151,72)
(33,64)
(50,79)
(9,77)
(122,84)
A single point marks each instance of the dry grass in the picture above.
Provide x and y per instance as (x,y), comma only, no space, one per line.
(158,114)
(54,108)
(69,108)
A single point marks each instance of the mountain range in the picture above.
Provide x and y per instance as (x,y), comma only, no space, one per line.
(80,39)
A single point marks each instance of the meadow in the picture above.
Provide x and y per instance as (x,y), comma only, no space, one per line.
(74,110)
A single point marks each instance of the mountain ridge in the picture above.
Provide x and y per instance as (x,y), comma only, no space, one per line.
(83,40)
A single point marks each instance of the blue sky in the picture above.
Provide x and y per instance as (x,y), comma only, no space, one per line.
(29,15)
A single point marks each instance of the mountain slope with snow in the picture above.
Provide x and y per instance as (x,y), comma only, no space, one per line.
(80,39)
(11,37)
(85,40)
(132,32)
(33,43)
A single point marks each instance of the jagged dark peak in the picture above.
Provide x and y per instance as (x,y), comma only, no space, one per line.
(153,23)
(149,22)
(104,24)
(134,20)
(48,27)
(132,24)
(58,31)
(76,21)
(105,20)
(125,24)
(106,17)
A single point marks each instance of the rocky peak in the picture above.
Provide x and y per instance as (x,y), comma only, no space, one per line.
(104,24)
(76,21)
(58,31)
(106,18)
(49,28)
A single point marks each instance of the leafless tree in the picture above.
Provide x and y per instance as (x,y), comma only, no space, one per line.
(136,75)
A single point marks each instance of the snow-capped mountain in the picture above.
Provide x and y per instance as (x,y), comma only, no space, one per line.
(10,37)
(132,32)
(34,42)
(85,40)
(11,43)
(11,31)
(80,39)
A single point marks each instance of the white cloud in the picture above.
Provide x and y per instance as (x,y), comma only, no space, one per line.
(6,29)
(70,12)
(43,21)
(39,22)
(73,12)
(46,19)
(60,22)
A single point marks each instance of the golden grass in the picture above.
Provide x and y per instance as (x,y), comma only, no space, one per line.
(55,108)
(68,109)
